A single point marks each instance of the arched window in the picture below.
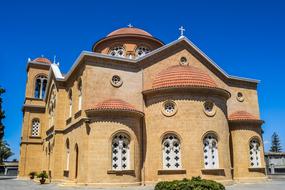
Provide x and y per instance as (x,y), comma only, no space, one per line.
(49,148)
(51,106)
(120,152)
(211,156)
(79,86)
(76,160)
(70,102)
(36,127)
(117,51)
(254,153)
(40,87)
(142,51)
(171,152)
(67,154)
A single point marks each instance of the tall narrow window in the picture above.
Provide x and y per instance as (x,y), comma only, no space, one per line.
(40,87)
(51,106)
(67,154)
(36,127)
(171,152)
(120,152)
(80,94)
(76,160)
(70,103)
(211,157)
(254,153)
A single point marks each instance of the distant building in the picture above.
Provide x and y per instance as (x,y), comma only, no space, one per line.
(136,111)
(9,168)
(275,162)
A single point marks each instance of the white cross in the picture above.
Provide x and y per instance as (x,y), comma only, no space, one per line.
(54,58)
(130,25)
(182,30)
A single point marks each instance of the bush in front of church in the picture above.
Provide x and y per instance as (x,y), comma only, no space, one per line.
(196,183)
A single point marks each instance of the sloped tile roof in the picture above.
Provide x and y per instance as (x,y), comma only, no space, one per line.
(242,115)
(42,60)
(114,104)
(129,30)
(176,76)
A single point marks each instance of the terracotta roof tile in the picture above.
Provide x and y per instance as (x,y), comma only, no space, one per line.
(178,75)
(242,115)
(114,104)
(129,30)
(42,60)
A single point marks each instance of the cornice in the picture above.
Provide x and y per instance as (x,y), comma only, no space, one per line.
(125,112)
(197,89)
(30,142)
(37,65)
(30,107)
(246,121)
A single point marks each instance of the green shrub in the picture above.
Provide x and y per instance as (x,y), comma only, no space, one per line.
(196,183)
(42,175)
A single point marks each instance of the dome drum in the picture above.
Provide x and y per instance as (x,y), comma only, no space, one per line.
(131,39)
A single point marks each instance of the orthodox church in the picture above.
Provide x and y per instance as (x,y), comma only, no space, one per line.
(135,111)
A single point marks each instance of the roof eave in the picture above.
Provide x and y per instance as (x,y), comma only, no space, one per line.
(126,35)
(94,112)
(248,121)
(203,89)
(37,64)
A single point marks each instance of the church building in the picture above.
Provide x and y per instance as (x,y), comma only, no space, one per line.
(135,111)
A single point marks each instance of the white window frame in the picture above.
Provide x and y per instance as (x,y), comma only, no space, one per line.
(143,49)
(171,152)
(36,128)
(42,89)
(70,103)
(211,153)
(120,151)
(114,51)
(80,94)
(52,105)
(254,153)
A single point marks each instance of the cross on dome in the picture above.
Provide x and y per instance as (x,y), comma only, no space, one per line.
(130,25)
(182,30)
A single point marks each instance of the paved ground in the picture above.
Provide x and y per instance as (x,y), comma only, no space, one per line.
(13,184)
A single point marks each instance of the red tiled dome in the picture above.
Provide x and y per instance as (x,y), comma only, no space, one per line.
(129,30)
(242,115)
(42,60)
(178,76)
(114,104)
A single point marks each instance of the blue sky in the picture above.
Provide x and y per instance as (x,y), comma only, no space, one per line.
(245,38)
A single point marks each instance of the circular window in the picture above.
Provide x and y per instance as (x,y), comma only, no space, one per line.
(116,81)
(117,51)
(209,108)
(183,61)
(240,97)
(169,108)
